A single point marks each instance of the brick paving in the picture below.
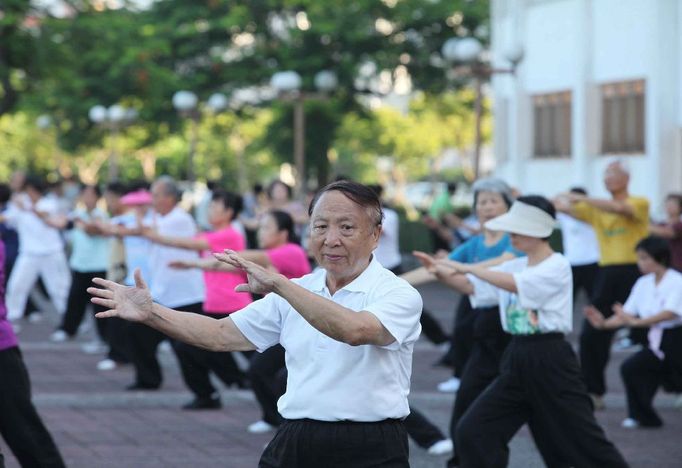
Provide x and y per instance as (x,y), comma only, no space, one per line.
(98,424)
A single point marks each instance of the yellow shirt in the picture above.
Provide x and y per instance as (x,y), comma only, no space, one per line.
(617,234)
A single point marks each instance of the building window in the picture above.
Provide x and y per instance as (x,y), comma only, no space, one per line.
(552,125)
(623,117)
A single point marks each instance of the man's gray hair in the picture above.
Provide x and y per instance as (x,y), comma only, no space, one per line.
(170,186)
(622,163)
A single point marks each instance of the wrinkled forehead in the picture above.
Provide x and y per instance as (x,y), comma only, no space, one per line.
(334,205)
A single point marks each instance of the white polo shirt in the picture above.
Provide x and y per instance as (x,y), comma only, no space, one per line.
(174,287)
(579,241)
(388,249)
(330,380)
(543,302)
(648,298)
(36,237)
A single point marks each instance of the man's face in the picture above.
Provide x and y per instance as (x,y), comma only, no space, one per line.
(162,201)
(615,178)
(343,235)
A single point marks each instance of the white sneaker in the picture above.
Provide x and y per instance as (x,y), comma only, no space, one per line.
(106,365)
(442,447)
(35,317)
(449,386)
(629,423)
(94,347)
(59,336)
(260,427)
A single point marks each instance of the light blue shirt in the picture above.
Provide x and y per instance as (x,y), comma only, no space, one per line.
(88,253)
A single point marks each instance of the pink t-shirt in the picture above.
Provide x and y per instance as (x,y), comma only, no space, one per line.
(290,260)
(221,297)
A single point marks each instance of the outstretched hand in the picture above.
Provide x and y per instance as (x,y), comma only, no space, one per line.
(593,316)
(427,261)
(259,280)
(132,303)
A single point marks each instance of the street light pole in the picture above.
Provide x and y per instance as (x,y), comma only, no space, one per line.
(185,102)
(299,145)
(468,51)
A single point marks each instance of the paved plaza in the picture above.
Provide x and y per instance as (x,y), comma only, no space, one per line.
(98,424)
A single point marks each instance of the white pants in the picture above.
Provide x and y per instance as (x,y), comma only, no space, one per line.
(55,273)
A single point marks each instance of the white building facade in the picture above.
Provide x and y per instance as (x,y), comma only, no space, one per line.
(599,79)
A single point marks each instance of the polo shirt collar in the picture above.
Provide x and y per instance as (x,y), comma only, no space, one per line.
(362,283)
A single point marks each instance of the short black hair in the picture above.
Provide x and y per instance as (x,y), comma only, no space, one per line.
(452,187)
(229,200)
(657,248)
(116,187)
(285,222)
(378,189)
(356,192)
(579,190)
(36,182)
(5,193)
(276,182)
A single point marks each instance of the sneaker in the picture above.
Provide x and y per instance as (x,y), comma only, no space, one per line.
(449,386)
(59,336)
(203,403)
(629,423)
(597,402)
(260,427)
(94,347)
(106,365)
(35,317)
(442,447)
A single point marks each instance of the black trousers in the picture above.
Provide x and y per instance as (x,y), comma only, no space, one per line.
(197,363)
(483,366)
(144,341)
(20,424)
(462,341)
(268,377)
(306,443)
(539,384)
(614,283)
(643,373)
(584,278)
(78,302)
(423,431)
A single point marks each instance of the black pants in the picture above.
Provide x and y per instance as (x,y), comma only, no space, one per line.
(20,424)
(613,285)
(268,376)
(306,443)
(78,302)
(462,341)
(423,431)
(197,363)
(144,341)
(539,384)
(483,366)
(584,278)
(643,373)
(118,339)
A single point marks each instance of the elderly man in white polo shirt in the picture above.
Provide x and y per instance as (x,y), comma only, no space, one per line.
(348,330)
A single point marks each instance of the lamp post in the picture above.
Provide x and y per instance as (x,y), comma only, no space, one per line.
(288,86)
(468,52)
(112,118)
(186,102)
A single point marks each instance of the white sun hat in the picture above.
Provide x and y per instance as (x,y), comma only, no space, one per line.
(524,219)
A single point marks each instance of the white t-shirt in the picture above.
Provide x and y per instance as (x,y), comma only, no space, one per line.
(388,250)
(35,236)
(648,298)
(579,240)
(174,287)
(543,302)
(330,380)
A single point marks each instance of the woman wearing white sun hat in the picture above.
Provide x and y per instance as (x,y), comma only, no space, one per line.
(540,381)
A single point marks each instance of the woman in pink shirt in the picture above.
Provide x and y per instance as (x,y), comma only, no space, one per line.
(221,300)
(279,250)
